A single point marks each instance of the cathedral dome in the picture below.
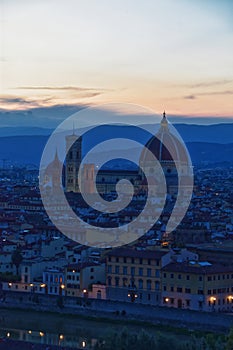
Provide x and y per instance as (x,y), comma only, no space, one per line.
(157,145)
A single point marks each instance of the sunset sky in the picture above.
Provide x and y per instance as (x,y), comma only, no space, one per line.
(163,54)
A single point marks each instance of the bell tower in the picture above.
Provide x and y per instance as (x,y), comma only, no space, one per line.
(73,162)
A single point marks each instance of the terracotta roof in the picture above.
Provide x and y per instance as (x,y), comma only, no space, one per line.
(132,253)
(197,269)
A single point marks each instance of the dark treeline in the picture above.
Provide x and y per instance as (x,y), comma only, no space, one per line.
(125,340)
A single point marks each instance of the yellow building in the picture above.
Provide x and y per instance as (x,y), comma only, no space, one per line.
(81,276)
(135,275)
(197,286)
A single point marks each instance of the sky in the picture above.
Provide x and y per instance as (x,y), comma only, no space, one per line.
(162,54)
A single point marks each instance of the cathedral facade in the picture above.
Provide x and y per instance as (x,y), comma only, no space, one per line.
(106,179)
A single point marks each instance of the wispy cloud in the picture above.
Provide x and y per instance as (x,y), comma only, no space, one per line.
(8,100)
(210,83)
(75,92)
(211,93)
(60,88)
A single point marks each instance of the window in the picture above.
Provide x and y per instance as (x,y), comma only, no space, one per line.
(125,260)
(149,261)
(209,292)
(140,284)
(172,275)
(109,268)
(172,289)
(164,288)
(141,261)
(157,273)
(172,300)
(209,278)
(179,289)
(132,271)
(140,271)
(117,259)
(157,262)
(148,296)
(26,269)
(187,290)
(187,277)
(164,275)
(132,260)
(148,272)
(125,270)
(200,292)
(92,269)
(109,281)
(116,281)
(109,258)
(179,277)
(200,278)
(156,285)
(187,302)
(148,284)
(117,269)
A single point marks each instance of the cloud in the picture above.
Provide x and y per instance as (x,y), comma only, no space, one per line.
(59,88)
(190,97)
(211,93)
(21,101)
(211,83)
(74,91)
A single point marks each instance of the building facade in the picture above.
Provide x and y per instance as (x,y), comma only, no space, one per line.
(200,286)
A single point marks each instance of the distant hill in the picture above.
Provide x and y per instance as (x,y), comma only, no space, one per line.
(215,133)
(23,131)
(28,150)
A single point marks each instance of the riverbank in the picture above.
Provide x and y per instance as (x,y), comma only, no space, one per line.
(121,313)
(43,327)
(6,344)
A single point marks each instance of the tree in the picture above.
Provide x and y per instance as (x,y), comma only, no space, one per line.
(229,344)
(16,259)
